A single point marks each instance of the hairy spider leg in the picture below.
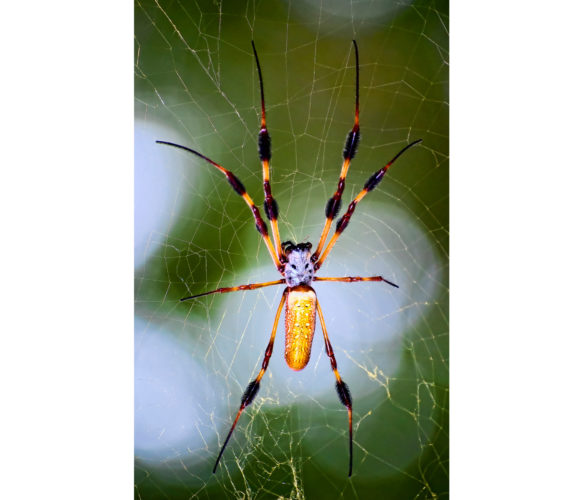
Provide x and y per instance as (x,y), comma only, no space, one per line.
(250,286)
(333,205)
(253,386)
(341,387)
(353,279)
(369,185)
(237,185)
(264,148)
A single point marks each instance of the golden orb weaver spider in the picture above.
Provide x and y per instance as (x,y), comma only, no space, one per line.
(296,263)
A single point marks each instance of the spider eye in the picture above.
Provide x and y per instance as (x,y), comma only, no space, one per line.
(306,266)
(294,266)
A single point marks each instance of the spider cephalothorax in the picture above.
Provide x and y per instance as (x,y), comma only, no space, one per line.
(299,269)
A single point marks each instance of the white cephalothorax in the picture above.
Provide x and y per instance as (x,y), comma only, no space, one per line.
(299,268)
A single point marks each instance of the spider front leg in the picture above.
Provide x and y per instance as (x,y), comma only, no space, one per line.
(369,185)
(335,202)
(253,387)
(341,387)
(264,148)
(237,185)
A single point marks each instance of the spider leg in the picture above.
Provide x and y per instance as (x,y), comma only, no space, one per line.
(250,286)
(264,147)
(237,185)
(341,387)
(253,387)
(334,203)
(369,185)
(352,279)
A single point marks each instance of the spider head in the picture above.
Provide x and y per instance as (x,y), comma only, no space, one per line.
(299,269)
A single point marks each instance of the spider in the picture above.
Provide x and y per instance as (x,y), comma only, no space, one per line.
(296,262)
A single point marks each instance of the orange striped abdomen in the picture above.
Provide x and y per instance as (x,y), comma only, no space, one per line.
(300,323)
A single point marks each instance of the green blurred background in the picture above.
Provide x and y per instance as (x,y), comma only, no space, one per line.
(196,84)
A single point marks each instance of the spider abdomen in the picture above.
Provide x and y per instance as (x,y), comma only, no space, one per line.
(300,323)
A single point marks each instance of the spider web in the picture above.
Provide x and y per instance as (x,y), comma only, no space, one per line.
(196,85)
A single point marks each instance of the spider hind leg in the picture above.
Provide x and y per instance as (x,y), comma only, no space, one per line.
(253,387)
(341,387)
